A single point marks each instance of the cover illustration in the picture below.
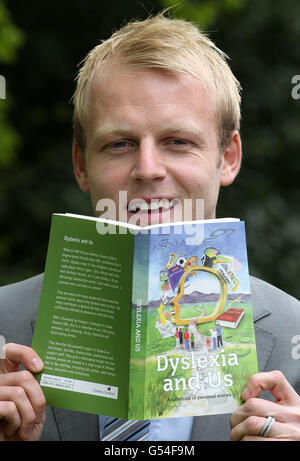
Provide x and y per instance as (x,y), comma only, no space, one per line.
(191,364)
(132,324)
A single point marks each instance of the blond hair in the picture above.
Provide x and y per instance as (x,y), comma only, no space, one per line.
(174,45)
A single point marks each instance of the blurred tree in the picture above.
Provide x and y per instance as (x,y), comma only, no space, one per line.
(203,13)
(40,179)
(11,38)
(262,40)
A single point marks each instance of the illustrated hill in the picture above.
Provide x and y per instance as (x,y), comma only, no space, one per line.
(198,297)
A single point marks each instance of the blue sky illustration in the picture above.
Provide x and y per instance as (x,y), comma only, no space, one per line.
(227,237)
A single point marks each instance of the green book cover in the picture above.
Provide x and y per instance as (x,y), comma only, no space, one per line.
(145,323)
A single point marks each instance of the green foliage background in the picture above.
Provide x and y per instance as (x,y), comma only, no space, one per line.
(41,44)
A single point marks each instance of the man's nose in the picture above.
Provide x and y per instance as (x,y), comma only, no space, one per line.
(149,163)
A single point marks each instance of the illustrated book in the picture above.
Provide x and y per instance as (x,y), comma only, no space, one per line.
(230,318)
(127,322)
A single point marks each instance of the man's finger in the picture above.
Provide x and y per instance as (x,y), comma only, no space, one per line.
(275,382)
(256,438)
(253,425)
(17,354)
(10,417)
(263,408)
(18,396)
(31,387)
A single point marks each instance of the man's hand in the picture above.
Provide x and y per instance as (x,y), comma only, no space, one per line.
(248,419)
(22,402)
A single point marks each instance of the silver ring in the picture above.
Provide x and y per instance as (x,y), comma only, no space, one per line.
(269,423)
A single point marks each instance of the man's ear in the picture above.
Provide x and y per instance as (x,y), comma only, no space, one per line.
(232,159)
(80,170)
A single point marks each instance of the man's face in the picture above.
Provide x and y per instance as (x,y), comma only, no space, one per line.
(153,134)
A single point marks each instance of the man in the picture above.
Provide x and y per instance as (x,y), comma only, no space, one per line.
(156,115)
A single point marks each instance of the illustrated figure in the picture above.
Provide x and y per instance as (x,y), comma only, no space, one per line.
(177,338)
(192,341)
(207,342)
(187,340)
(180,338)
(214,338)
(219,337)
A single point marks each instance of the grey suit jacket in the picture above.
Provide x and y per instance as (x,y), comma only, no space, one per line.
(276,319)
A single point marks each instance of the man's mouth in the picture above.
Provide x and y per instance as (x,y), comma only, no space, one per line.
(153,205)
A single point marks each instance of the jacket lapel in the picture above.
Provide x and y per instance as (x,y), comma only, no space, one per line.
(76,426)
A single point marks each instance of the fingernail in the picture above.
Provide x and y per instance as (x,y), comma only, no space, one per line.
(36,363)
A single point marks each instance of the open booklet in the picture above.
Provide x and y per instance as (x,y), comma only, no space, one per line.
(130,319)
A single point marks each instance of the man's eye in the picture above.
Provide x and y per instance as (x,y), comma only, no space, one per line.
(178,142)
(119,144)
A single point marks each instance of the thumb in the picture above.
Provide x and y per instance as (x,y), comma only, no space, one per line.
(16,355)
